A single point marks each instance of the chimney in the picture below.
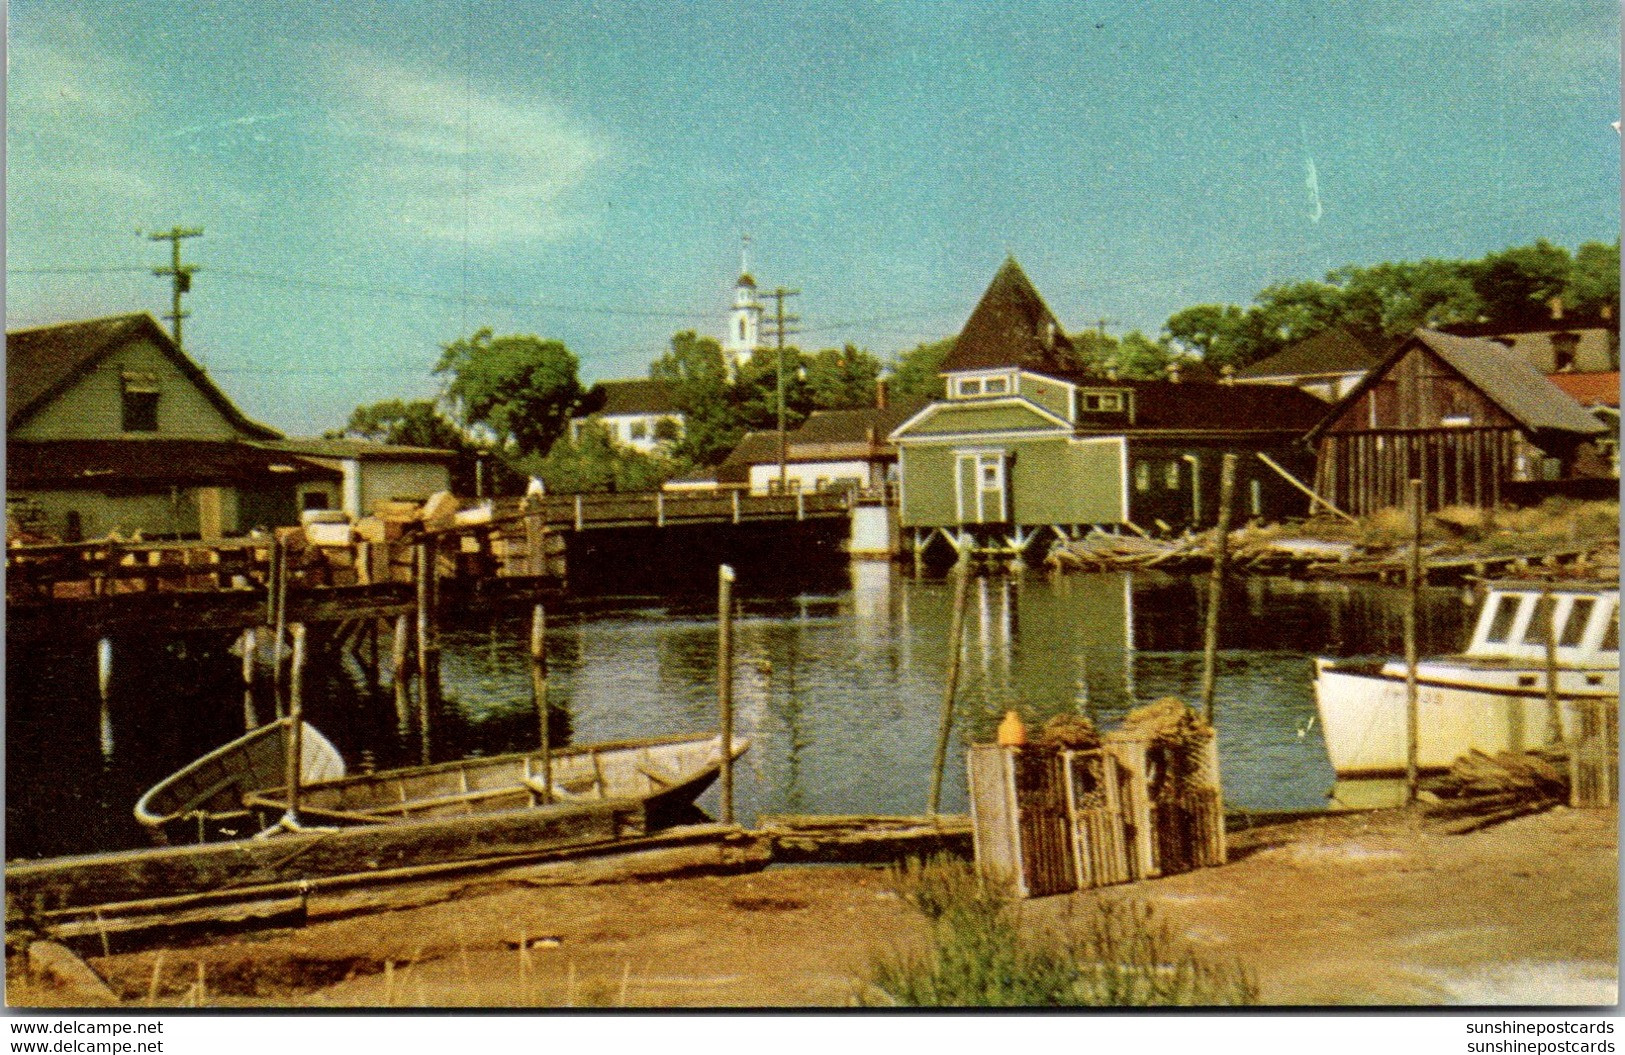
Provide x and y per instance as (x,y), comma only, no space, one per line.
(1227,374)
(880,393)
(1173,372)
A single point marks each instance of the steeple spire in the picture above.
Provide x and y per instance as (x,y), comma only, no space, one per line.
(744,253)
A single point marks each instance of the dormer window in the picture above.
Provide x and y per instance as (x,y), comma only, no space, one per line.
(995,386)
(1103,402)
(140,403)
(981,386)
(970,386)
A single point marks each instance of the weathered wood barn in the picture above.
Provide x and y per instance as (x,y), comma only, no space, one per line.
(1466,416)
(1025,442)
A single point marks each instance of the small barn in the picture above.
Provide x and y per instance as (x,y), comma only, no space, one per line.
(1471,418)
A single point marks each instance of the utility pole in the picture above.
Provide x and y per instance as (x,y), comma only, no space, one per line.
(780,330)
(180,274)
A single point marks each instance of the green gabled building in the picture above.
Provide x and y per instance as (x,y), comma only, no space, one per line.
(1026,442)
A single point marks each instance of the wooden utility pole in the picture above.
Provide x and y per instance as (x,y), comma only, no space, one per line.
(180,274)
(950,687)
(1221,557)
(296,726)
(725,685)
(780,331)
(1413,593)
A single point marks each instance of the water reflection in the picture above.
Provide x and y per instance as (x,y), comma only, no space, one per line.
(839,692)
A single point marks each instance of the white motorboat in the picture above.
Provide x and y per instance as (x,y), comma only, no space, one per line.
(1492,697)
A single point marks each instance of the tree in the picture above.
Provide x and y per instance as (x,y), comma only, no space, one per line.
(842,378)
(417,423)
(591,462)
(1518,285)
(1594,280)
(916,372)
(698,375)
(521,388)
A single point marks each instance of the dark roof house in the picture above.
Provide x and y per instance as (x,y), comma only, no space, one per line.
(1011,327)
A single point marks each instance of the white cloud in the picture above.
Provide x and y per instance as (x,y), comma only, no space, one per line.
(446,159)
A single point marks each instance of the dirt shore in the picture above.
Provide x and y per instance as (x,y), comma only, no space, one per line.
(1350,909)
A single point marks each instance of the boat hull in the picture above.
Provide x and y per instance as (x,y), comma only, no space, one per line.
(1363,713)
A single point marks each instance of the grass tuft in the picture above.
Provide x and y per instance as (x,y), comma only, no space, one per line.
(978,954)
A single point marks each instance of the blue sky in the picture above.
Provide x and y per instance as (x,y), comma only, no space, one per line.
(377,179)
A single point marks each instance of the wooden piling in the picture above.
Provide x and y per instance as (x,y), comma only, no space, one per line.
(956,633)
(1554,715)
(725,678)
(427,687)
(538,691)
(1413,593)
(401,672)
(535,547)
(249,642)
(296,724)
(104,687)
(279,622)
(1215,593)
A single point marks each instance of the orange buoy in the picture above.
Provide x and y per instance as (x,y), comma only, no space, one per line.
(1012,733)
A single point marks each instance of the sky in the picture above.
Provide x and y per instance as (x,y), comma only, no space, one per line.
(375,180)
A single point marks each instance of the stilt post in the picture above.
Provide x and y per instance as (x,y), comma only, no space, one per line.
(296,724)
(950,688)
(725,688)
(401,671)
(538,691)
(426,678)
(1215,593)
(1413,594)
(250,643)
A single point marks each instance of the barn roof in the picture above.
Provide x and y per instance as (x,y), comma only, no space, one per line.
(43,362)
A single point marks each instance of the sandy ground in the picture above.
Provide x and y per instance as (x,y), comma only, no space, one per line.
(1368,909)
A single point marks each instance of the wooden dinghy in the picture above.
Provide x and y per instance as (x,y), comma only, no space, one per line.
(665,775)
(205,799)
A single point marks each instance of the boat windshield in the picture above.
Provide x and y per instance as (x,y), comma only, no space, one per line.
(1506,612)
(1540,624)
(1574,627)
(1610,640)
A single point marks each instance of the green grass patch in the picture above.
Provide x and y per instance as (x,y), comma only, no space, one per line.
(978,953)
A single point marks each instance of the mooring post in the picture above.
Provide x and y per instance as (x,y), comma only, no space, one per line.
(956,633)
(1554,714)
(426,679)
(249,642)
(535,548)
(279,622)
(538,691)
(104,686)
(725,687)
(296,725)
(1215,592)
(401,672)
(1413,594)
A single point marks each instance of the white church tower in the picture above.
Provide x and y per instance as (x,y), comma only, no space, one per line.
(745,318)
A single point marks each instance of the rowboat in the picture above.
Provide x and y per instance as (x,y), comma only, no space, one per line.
(209,792)
(664,775)
(1492,697)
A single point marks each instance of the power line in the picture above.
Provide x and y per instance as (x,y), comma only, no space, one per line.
(180,275)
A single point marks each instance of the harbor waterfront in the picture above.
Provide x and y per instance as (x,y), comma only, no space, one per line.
(837,684)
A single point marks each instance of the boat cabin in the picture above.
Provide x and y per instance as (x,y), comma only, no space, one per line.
(1517,616)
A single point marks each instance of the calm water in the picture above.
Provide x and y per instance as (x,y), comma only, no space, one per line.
(838,688)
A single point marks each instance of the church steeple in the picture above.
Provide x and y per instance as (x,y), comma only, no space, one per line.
(745,318)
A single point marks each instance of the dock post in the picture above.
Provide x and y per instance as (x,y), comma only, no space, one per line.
(401,672)
(538,691)
(426,675)
(956,633)
(1413,591)
(1221,557)
(104,686)
(535,548)
(250,642)
(725,687)
(1554,714)
(296,725)
(279,604)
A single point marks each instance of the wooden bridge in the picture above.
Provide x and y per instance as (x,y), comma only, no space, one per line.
(364,572)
